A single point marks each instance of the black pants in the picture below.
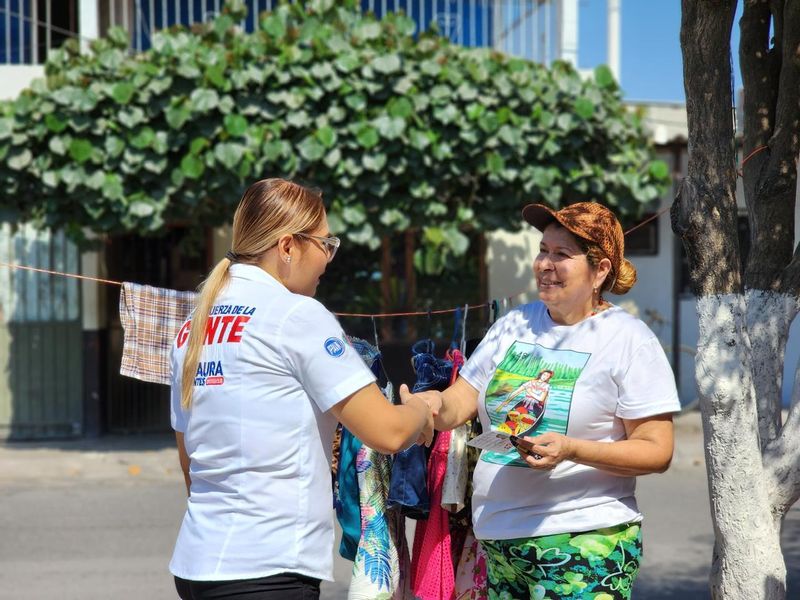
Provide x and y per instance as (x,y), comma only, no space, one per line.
(286,586)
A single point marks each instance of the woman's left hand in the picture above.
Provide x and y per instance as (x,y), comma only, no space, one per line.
(547,450)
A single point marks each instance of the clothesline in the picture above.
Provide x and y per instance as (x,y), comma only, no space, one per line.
(425,313)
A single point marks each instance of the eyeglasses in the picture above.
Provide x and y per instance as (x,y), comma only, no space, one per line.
(329,244)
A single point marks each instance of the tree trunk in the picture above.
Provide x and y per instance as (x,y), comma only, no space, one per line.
(748,561)
(751,456)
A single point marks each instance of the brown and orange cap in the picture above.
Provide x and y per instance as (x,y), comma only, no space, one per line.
(588,220)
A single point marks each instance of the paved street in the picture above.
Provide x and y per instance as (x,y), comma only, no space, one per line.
(96,520)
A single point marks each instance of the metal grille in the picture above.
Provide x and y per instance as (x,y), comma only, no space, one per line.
(29,29)
(525,28)
(41,366)
(532,29)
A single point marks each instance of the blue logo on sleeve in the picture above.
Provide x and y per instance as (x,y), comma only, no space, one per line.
(334,347)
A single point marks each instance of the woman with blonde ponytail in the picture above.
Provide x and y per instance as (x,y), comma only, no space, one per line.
(262,372)
(563,486)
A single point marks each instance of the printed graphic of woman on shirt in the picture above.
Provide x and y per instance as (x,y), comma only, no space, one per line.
(255,443)
(527,413)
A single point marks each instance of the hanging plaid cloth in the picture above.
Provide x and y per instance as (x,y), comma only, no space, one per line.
(151,318)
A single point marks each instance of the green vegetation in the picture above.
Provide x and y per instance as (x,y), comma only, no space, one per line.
(398,131)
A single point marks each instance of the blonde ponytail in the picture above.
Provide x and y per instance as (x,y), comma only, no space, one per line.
(209,290)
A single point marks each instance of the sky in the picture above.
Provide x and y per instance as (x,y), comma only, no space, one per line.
(650,48)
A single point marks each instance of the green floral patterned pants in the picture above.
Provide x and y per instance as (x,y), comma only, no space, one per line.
(591,565)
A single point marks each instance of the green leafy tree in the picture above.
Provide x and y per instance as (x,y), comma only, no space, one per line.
(399,131)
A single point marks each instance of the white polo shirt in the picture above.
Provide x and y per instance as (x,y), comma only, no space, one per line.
(259,433)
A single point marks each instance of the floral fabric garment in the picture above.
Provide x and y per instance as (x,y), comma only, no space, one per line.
(471,572)
(595,565)
(376,570)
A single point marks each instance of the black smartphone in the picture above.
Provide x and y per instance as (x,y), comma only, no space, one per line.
(524,445)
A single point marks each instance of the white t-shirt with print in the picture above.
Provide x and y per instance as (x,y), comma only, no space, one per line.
(259,433)
(591,375)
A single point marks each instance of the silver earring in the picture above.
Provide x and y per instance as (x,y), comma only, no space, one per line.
(288,259)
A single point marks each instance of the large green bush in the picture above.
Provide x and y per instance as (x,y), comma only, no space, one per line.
(398,131)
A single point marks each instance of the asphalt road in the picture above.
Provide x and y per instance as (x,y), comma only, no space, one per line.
(93,520)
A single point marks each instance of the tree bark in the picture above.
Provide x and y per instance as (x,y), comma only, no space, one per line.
(748,562)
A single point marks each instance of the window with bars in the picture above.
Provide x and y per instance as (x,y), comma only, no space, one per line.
(527,28)
(29,29)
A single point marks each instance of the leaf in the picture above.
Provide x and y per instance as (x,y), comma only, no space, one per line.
(58,145)
(50,179)
(112,187)
(273,25)
(604,77)
(177,116)
(228,154)
(584,108)
(18,159)
(495,163)
(367,137)
(355,215)
(457,241)
(274,150)
(347,62)
(659,169)
(332,158)
(7,127)
(374,162)
(298,119)
(235,125)
(387,63)
(446,114)
(203,100)
(326,136)
(390,127)
(143,138)
(141,209)
(80,150)
(53,123)
(400,107)
(311,149)
(122,92)
(356,101)
(192,167)
(95,180)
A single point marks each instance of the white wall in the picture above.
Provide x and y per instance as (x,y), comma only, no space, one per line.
(16,78)
(509,262)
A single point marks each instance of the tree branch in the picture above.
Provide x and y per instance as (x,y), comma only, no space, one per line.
(771,216)
(780,180)
(704,212)
(781,464)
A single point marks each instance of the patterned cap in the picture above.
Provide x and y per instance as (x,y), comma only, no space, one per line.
(588,220)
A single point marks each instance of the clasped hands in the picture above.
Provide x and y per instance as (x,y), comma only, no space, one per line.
(433,400)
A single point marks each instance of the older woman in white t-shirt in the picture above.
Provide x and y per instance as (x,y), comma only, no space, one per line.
(557,516)
(261,374)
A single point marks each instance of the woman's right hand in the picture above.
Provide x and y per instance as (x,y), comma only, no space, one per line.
(419,399)
(432,398)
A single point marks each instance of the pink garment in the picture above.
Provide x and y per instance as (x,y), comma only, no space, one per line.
(432,576)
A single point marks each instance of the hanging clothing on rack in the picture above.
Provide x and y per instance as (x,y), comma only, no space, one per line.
(379,550)
(409,489)
(151,318)
(432,573)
